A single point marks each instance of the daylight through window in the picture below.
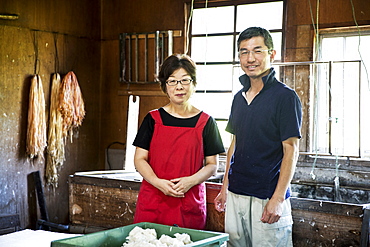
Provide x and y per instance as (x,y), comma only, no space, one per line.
(213,48)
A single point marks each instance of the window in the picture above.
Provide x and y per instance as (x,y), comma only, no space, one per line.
(341,95)
(213,47)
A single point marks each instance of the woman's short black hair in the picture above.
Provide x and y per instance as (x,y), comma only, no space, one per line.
(255,32)
(173,63)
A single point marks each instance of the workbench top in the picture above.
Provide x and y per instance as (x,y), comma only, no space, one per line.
(27,237)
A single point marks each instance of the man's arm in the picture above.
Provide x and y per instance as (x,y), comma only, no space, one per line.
(220,200)
(273,209)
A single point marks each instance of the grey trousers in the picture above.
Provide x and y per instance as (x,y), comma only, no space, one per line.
(245,229)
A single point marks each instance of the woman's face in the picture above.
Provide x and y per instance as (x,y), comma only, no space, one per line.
(179,93)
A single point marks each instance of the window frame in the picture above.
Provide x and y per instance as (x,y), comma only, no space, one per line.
(235,60)
(345,33)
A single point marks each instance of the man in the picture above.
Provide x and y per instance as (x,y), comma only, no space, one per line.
(265,122)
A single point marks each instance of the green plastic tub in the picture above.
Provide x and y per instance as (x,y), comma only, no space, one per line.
(117,236)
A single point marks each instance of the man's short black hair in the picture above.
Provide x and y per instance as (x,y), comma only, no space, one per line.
(255,32)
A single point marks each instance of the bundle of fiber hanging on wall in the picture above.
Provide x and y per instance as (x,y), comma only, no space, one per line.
(71,104)
(67,111)
(55,149)
(36,126)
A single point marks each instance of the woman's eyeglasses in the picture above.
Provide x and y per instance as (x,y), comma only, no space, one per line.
(182,82)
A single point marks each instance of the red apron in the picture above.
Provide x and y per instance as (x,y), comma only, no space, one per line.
(174,152)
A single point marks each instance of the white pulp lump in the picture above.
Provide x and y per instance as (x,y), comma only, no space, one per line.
(139,237)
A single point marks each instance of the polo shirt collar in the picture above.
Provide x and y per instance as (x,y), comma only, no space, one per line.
(268,80)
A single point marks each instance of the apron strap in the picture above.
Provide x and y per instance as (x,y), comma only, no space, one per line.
(156,116)
(202,121)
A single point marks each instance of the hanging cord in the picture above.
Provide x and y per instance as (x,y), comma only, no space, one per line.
(313,176)
(188,32)
(337,196)
(359,44)
(315,28)
(316,31)
(336,165)
(206,45)
(188,27)
(36,50)
(205,50)
(56,66)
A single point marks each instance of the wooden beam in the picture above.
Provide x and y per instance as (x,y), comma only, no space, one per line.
(141,93)
(176,33)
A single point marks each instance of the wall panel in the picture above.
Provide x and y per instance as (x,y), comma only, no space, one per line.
(45,28)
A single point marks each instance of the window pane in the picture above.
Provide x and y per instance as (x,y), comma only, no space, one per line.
(320,115)
(249,15)
(215,104)
(214,77)
(226,136)
(351,51)
(345,109)
(365,117)
(212,49)
(332,49)
(237,72)
(222,49)
(365,94)
(277,39)
(208,20)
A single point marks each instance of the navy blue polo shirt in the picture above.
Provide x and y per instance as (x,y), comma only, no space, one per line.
(274,115)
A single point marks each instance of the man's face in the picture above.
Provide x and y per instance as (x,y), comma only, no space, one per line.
(255,59)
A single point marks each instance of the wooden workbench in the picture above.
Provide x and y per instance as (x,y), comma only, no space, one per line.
(103,202)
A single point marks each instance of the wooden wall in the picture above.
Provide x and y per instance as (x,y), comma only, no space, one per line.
(86,34)
(130,17)
(45,28)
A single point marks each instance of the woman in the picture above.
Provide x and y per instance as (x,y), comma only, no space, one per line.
(177,147)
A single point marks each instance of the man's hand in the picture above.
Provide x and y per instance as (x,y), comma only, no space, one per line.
(272,211)
(220,201)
